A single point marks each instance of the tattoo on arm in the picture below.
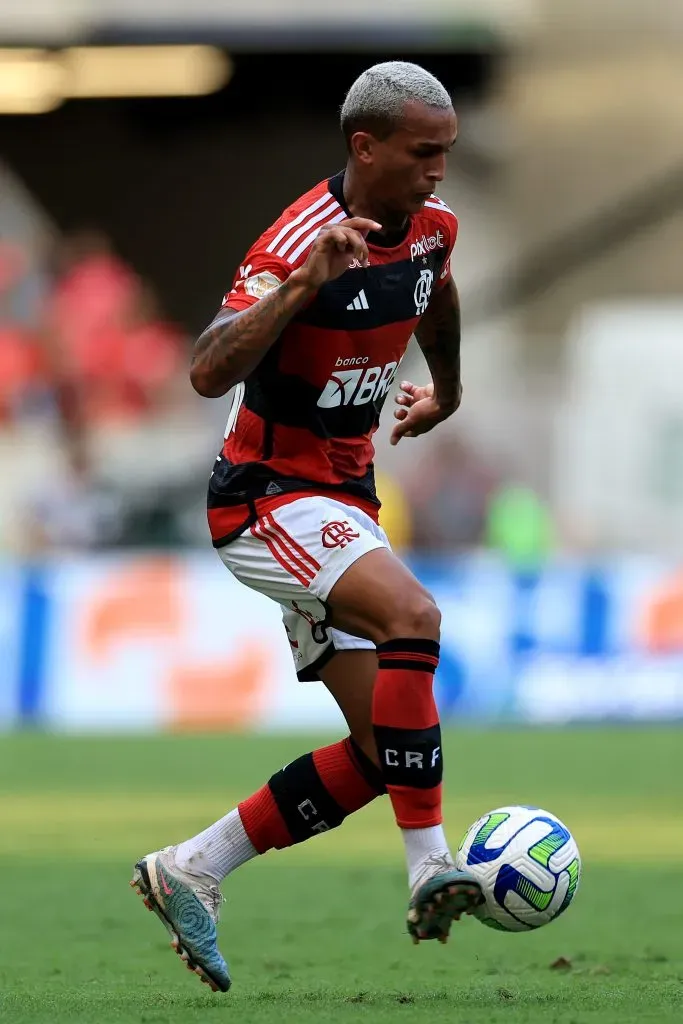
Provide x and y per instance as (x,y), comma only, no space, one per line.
(438,335)
(235,342)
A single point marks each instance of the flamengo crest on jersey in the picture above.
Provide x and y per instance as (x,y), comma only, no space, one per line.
(423,291)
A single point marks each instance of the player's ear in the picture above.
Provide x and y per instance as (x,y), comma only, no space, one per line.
(362,146)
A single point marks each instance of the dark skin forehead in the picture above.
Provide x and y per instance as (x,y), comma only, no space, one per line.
(425,125)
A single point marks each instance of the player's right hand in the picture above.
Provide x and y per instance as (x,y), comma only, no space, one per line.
(336,247)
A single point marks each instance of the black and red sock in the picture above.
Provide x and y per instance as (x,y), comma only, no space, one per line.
(407,731)
(311,795)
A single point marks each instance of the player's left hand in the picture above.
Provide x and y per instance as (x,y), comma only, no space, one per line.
(418,411)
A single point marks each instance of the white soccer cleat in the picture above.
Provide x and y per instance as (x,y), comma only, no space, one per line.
(440,896)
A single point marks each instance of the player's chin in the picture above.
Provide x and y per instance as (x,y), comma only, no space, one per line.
(418,200)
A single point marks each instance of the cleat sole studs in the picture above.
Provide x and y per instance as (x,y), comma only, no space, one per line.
(147,899)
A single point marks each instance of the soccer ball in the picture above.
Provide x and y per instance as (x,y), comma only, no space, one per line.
(527,863)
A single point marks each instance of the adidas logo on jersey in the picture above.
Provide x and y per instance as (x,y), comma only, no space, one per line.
(360,301)
(357,387)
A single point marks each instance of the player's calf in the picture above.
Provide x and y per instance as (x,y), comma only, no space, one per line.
(311,795)
(378,597)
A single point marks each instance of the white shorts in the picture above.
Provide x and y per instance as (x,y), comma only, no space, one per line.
(295,555)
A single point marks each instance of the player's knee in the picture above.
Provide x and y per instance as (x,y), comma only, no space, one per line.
(364,737)
(415,615)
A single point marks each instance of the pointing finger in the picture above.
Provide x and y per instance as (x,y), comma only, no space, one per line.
(362,224)
(401,429)
(350,241)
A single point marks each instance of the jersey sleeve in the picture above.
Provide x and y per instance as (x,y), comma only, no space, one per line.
(260,273)
(451,225)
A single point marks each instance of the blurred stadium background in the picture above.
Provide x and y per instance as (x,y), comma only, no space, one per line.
(142,148)
(546,515)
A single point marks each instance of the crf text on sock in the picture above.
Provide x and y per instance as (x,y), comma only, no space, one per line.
(413,758)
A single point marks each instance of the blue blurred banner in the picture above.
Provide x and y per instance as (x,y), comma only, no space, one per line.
(13,630)
(145,642)
(573,642)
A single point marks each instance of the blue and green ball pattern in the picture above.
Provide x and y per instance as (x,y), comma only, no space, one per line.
(528,882)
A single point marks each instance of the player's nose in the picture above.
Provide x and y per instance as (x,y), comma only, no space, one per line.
(437,169)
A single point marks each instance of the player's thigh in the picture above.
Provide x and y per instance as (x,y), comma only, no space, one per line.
(379,598)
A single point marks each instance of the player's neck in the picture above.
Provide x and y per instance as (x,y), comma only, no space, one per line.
(362,203)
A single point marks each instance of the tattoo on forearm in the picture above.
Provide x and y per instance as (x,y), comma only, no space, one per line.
(230,347)
(438,335)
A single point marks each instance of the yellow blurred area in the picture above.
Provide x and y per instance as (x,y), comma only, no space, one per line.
(34,81)
(395,515)
(114,825)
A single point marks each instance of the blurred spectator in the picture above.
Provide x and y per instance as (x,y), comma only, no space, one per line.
(92,290)
(106,334)
(519,526)
(449,496)
(96,355)
(130,367)
(71,511)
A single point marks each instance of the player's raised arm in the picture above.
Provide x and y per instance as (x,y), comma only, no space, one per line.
(236,342)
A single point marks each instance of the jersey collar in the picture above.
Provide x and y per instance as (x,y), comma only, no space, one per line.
(386,240)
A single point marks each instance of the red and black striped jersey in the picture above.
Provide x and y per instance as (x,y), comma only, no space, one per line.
(303,421)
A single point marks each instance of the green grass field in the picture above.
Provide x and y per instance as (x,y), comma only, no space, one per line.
(316,933)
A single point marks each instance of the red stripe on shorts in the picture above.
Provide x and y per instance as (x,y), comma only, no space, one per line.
(282,559)
(291,542)
(268,530)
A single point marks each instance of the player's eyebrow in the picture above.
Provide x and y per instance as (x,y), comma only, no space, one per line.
(435,147)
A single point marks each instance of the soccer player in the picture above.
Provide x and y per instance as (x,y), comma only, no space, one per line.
(310,337)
